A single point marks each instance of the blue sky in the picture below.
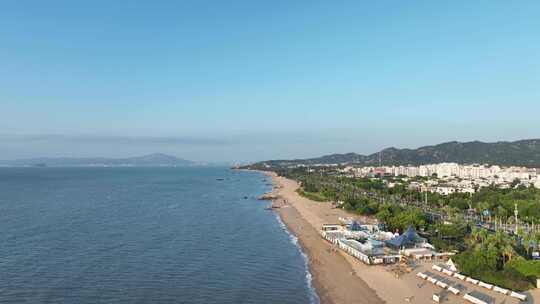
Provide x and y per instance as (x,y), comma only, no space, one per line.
(252,80)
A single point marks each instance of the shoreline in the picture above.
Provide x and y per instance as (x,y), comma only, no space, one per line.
(314,295)
(332,277)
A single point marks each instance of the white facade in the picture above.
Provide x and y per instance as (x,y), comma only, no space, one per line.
(456,177)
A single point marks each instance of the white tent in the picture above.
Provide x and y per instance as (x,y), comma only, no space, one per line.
(451,265)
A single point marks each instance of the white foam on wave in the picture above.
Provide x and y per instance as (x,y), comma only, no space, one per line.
(313,297)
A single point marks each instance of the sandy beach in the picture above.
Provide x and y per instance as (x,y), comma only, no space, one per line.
(333,276)
(340,278)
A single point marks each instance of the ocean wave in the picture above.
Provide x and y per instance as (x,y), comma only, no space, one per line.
(313,297)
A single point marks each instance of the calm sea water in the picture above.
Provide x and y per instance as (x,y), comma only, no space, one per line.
(144,235)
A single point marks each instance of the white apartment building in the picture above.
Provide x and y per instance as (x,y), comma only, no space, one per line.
(479,175)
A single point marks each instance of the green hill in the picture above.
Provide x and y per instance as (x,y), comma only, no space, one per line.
(517,153)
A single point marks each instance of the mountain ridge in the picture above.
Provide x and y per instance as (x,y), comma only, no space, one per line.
(154,159)
(524,152)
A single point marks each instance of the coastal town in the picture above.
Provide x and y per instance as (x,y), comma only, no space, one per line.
(447,178)
(442,178)
(423,248)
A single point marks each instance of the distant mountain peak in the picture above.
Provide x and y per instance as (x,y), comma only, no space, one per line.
(158,154)
(154,159)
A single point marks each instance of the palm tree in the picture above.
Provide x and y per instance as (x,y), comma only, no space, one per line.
(529,242)
(502,240)
(508,253)
(483,235)
(475,235)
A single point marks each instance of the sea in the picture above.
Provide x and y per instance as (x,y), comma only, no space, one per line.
(145,235)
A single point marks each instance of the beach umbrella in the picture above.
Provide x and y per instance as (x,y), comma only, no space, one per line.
(451,265)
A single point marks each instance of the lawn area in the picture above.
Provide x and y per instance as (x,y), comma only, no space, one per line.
(314,196)
(528,268)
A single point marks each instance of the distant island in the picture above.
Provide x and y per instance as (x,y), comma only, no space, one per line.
(517,153)
(155,159)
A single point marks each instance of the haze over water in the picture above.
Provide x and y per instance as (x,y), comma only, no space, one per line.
(143,235)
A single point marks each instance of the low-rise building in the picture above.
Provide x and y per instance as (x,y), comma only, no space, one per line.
(409,239)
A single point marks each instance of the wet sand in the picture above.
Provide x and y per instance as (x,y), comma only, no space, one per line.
(333,277)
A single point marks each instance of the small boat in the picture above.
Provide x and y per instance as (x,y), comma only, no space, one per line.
(220,178)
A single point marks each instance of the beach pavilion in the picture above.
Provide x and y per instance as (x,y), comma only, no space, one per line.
(409,239)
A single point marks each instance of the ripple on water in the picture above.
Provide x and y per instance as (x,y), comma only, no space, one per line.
(159,235)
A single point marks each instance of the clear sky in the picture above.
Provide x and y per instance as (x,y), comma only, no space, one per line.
(251,80)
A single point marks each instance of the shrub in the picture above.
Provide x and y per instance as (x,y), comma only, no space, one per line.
(527,268)
(314,196)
